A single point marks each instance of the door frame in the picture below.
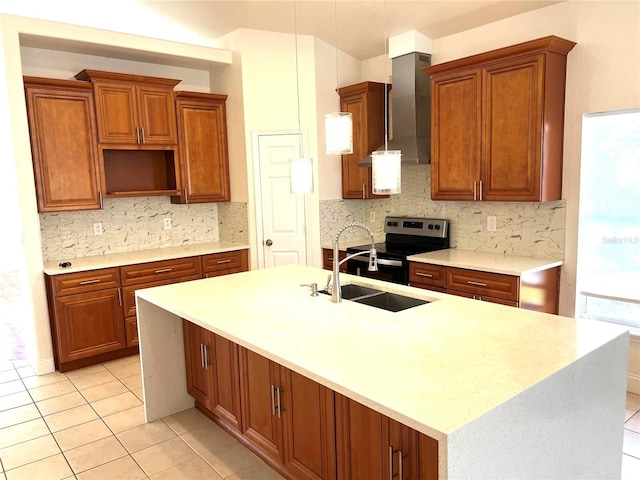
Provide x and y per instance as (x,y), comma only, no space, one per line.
(311,203)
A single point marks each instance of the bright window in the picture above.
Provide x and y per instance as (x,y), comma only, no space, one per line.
(608,276)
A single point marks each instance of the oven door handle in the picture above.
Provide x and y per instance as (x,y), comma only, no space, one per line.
(381,261)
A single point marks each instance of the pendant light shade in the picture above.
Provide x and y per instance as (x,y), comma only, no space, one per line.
(386,172)
(301,175)
(339,133)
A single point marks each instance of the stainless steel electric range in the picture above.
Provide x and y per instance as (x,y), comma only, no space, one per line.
(404,236)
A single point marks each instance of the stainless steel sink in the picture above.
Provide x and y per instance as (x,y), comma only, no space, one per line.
(391,302)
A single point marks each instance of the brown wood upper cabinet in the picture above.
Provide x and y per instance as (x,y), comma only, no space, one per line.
(65,160)
(365,101)
(204,155)
(133,109)
(497,122)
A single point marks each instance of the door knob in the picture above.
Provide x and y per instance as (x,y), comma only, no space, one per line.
(268,242)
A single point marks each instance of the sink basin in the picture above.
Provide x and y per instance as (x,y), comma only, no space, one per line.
(349,291)
(391,301)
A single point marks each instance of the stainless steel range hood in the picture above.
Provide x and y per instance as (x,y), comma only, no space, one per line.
(410,109)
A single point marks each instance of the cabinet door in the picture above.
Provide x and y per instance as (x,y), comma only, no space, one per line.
(512,129)
(455,135)
(202,131)
(156,115)
(63,144)
(117,113)
(88,324)
(260,415)
(197,362)
(362,441)
(309,426)
(225,385)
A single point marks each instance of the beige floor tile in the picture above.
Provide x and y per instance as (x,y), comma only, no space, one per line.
(121,469)
(186,420)
(132,382)
(13,386)
(630,468)
(125,420)
(633,423)
(631,445)
(26,372)
(14,400)
(41,380)
(70,418)
(105,390)
(126,370)
(52,390)
(6,365)
(29,451)
(115,404)
(85,371)
(122,361)
(164,455)
(628,414)
(20,363)
(82,434)
(51,468)
(18,415)
(58,404)
(259,470)
(207,438)
(188,470)
(23,432)
(8,376)
(95,454)
(93,379)
(145,435)
(230,459)
(138,393)
(633,401)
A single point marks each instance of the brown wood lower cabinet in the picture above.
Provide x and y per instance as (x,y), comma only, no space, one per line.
(327,259)
(300,428)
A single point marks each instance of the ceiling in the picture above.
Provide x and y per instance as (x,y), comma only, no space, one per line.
(358,27)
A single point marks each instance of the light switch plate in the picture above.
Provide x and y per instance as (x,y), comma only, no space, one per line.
(167,223)
(372,217)
(492,223)
(97,229)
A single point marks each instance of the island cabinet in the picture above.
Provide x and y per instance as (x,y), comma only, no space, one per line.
(327,259)
(86,315)
(63,144)
(204,154)
(366,102)
(225,263)
(133,109)
(497,122)
(373,446)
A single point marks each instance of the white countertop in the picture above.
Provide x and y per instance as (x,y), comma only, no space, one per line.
(434,367)
(485,261)
(81,264)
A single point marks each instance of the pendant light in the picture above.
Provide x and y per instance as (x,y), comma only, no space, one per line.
(386,164)
(338,125)
(300,168)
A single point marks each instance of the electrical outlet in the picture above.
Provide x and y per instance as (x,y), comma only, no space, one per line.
(97,228)
(372,217)
(167,223)
(492,223)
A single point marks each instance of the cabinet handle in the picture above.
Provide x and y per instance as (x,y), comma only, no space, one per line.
(202,355)
(390,462)
(420,274)
(474,190)
(89,282)
(363,191)
(477,284)
(480,189)
(400,476)
(120,297)
(138,135)
(163,270)
(205,358)
(273,400)
(186,197)
(101,202)
(278,400)
(143,139)
(228,260)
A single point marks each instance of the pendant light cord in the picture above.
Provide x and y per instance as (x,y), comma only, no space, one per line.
(386,85)
(295,34)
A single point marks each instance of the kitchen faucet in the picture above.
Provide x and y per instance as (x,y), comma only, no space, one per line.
(336,291)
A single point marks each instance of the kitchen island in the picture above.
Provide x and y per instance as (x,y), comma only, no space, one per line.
(506,392)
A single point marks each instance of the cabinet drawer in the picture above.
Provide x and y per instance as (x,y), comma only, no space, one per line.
(155,271)
(484,298)
(236,260)
(129,293)
(482,283)
(425,274)
(81,282)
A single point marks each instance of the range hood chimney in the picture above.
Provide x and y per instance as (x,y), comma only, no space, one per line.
(410,109)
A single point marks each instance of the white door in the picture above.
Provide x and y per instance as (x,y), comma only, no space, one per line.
(283,213)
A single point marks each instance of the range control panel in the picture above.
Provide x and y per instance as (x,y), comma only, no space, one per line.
(426,227)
